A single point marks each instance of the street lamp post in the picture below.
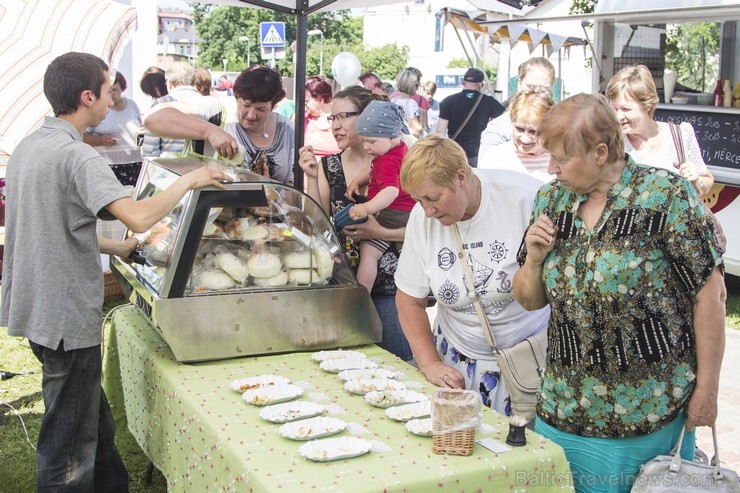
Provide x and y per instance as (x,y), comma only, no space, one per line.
(314,32)
(245,39)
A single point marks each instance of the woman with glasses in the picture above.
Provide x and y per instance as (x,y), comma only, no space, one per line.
(523,152)
(326,182)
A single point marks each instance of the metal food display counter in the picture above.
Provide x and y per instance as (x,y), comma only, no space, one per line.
(254,268)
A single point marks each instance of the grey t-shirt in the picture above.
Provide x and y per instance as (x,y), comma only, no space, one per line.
(52,278)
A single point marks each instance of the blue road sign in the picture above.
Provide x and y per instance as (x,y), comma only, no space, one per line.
(272,34)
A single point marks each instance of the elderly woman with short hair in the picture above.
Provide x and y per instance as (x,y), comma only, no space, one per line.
(490,210)
(627,261)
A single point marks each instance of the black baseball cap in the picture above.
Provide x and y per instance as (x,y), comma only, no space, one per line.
(474,75)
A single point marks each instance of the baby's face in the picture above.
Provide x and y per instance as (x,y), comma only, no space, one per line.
(376,146)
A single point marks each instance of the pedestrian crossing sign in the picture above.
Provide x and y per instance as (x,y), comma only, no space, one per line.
(272,34)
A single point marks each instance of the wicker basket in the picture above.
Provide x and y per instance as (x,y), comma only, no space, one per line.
(459,410)
(111,288)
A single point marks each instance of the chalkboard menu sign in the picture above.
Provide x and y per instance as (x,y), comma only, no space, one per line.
(717,130)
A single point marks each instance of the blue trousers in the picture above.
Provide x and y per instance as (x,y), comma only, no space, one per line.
(610,465)
(393,339)
(75,451)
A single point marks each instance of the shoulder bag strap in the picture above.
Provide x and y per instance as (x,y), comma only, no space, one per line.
(678,142)
(472,293)
(467,118)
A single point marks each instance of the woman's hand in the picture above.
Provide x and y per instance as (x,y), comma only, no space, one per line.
(308,162)
(701,409)
(443,375)
(223,142)
(373,230)
(540,239)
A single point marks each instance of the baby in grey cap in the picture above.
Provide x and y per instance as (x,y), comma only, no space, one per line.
(380,126)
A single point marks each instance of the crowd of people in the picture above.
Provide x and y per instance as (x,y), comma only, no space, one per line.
(577,219)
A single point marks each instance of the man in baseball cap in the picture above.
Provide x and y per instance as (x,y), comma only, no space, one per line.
(465,115)
(474,75)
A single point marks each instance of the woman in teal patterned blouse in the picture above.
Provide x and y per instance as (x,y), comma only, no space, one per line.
(629,264)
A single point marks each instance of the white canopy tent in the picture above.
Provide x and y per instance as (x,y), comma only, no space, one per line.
(32,34)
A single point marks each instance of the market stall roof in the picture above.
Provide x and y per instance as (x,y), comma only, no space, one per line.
(665,11)
(32,34)
(302,7)
(511,32)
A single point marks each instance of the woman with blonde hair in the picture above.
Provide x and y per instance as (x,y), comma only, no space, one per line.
(625,257)
(407,83)
(490,211)
(633,95)
(524,152)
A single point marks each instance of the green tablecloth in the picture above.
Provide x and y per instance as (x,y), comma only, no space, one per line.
(204,437)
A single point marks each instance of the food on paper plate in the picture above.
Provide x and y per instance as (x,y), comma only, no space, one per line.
(249,383)
(328,449)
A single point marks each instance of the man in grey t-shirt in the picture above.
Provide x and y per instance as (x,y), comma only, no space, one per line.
(52,290)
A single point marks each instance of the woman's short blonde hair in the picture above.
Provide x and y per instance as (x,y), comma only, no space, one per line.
(531,104)
(433,158)
(637,82)
(576,125)
(407,81)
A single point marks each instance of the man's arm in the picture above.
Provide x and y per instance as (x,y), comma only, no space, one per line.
(175,121)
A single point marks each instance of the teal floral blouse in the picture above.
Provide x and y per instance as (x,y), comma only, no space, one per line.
(621,359)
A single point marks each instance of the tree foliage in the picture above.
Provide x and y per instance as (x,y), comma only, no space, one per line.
(220,28)
(692,50)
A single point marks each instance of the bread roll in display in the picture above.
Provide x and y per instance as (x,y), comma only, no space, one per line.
(302,276)
(298,260)
(233,266)
(264,265)
(271,282)
(215,280)
(323,262)
(255,233)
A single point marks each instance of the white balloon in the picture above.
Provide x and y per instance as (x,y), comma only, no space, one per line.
(345,68)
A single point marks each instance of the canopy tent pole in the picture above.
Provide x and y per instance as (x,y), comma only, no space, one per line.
(300,90)
(477,58)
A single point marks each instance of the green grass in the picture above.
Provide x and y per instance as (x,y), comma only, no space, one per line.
(23,392)
(17,456)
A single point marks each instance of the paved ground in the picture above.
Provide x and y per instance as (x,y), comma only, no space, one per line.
(728,422)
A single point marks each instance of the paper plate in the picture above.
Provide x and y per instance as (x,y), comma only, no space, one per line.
(406,412)
(388,398)
(421,427)
(272,394)
(244,384)
(336,354)
(362,386)
(334,448)
(308,429)
(353,363)
(290,411)
(347,375)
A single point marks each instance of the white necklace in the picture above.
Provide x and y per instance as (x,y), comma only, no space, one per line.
(264,134)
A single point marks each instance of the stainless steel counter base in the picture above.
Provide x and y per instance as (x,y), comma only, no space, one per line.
(242,324)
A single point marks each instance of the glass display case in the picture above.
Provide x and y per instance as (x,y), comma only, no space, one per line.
(250,269)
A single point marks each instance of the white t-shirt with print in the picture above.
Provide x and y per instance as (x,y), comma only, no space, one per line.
(491,239)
